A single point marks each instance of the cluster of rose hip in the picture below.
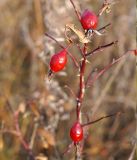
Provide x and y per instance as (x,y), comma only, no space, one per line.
(58,61)
(89,22)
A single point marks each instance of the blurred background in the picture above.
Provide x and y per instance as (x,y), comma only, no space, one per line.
(47,109)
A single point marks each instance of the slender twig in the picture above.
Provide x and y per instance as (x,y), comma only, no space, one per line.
(76,11)
(23,142)
(90,82)
(71,91)
(108,84)
(101,72)
(104,27)
(101,48)
(103,7)
(81,51)
(106,6)
(17,132)
(89,77)
(69,147)
(55,40)
(73,59)
(104,117)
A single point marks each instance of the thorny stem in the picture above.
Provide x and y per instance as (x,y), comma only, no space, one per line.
(80,97)
(81,84)
(82,91)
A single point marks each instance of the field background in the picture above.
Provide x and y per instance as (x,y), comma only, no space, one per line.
(48,109)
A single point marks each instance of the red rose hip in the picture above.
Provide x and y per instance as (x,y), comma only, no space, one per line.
(76,132)
(58,61)
(89,20)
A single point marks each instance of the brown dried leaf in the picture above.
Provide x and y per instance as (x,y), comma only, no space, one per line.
(80,34)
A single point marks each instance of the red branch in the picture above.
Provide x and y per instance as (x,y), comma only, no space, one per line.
(46,34)
(104,117)
(76,11)
(81,83)
(101,72)
(101,48)
(104,27)
(17,132)
(23,142)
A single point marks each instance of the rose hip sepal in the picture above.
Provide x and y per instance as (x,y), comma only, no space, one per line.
(76,132)
(58,61)
(89,20)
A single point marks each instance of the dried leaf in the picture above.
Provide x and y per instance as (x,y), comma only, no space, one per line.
(81,35)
